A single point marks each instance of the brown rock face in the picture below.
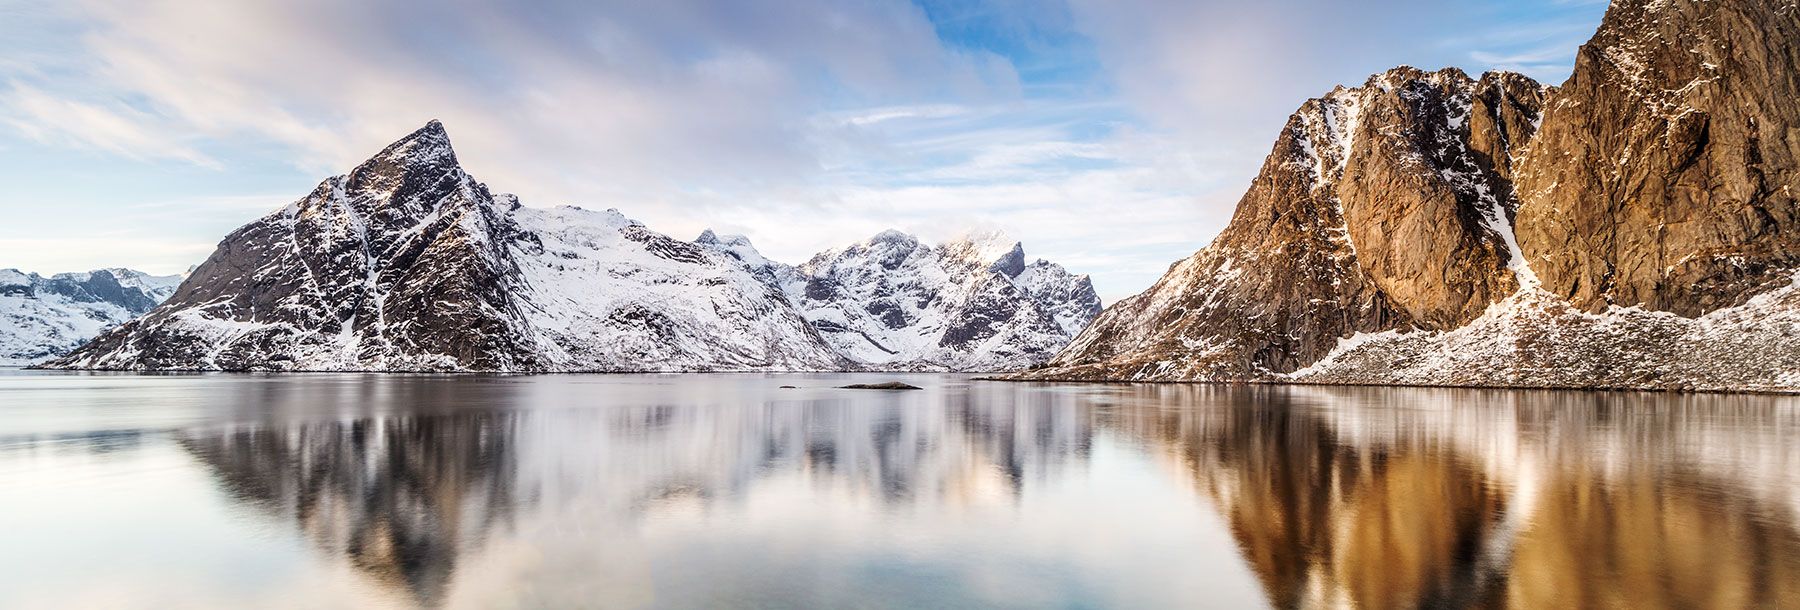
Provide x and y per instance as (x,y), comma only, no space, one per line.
(1663,176)
(1422,198)
(1381,207)
(1666,170)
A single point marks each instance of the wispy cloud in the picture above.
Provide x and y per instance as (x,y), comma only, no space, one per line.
(53,120)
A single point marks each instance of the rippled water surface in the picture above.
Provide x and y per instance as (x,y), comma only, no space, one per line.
(728,491)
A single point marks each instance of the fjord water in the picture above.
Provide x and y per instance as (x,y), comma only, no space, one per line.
(728,491)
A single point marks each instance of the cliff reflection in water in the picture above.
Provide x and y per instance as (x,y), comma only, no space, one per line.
(399,498)
(1390,498)
(1367,498)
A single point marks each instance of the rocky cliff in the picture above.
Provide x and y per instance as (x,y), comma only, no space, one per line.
(1380,207)
(1667,172)
(1654,243)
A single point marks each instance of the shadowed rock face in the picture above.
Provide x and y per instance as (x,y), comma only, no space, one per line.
(1666,170)
(373,253)
(1380,207)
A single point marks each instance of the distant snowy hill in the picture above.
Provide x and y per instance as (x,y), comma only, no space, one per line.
(407,263)
(970,304)
(41,318)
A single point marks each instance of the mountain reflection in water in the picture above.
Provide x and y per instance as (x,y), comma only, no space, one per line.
(1387,498)
(725,491)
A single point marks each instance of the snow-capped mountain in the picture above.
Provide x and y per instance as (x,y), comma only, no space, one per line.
(41,318)
(1656,245)
(969,304)
(408,263)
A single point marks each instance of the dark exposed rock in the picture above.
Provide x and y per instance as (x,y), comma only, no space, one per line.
(665,246)
(372,253)
(890,385)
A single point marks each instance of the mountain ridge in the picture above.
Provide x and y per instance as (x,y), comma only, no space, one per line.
(893,302)
(407,263)
(1615,231)
(43,317)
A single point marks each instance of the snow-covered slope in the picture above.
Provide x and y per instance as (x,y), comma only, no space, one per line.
(611,294)
(1537,339)
(408,263)
(41,318)
(892,302)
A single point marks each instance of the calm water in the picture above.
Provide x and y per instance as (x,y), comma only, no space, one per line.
(329,491)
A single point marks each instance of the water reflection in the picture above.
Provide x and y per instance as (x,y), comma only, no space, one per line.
(399,498)
(729,492)
(1480,499)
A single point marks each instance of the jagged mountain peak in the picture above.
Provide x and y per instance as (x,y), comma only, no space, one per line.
(14,277)
(408,263)
(426,147)
(423,164)
(970,303)
(708,237)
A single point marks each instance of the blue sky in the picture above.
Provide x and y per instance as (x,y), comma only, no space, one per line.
(1113,136)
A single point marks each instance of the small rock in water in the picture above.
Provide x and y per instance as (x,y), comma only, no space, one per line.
(789,387)
(891,385)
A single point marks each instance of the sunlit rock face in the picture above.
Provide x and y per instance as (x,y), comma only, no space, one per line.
(1426,230)
(1381,207)
(1667,169)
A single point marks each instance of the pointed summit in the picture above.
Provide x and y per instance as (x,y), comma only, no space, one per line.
(426,144)
(424,155)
